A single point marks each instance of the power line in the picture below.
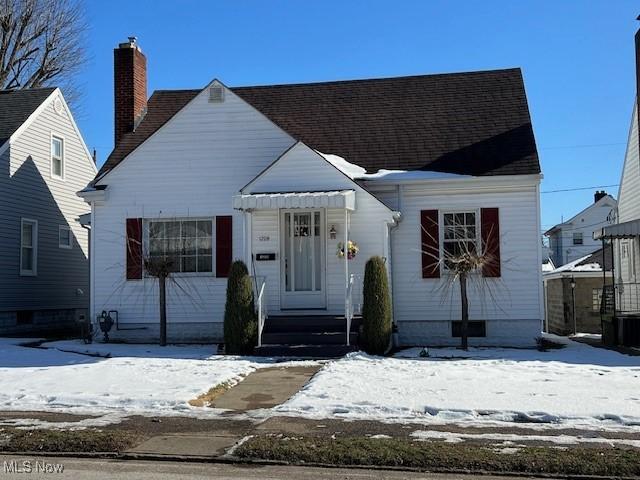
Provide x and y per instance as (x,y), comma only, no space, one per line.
(580,188)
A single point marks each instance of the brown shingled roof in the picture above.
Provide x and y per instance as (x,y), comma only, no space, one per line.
(474,123)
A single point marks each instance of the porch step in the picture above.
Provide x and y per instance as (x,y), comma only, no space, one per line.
(309,324)
(309,338)
(304,351)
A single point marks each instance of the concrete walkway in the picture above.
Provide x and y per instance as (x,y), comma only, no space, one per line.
(263,388)
(266,388)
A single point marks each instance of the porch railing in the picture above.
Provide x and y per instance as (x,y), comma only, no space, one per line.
(259,284)
(626,296)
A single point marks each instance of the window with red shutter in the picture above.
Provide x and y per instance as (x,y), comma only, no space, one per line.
(224,245)
(430,243)
(490,232)
(134,248)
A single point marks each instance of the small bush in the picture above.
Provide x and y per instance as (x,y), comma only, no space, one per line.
(376,308)
(240,322)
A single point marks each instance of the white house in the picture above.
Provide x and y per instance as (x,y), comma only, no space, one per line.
(44,279)
(281,176)
(573,239)
(623,238)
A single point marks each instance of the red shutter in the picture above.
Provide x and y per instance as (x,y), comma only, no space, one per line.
(490,233)
(430,243)
(224,245)
(134,248)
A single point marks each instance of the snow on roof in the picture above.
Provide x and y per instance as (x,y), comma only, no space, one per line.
(356,172)
(576,267)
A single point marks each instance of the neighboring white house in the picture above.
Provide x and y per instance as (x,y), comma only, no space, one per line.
(44,279)
(282,176)
(625,234)
(573,239)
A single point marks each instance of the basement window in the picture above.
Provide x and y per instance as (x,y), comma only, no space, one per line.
(476,328)
(24,317)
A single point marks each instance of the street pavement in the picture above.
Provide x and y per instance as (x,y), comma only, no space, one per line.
(97,469)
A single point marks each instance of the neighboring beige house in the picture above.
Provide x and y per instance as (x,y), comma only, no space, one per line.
(573,294)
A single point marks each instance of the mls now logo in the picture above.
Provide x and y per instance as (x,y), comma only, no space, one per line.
(27,466)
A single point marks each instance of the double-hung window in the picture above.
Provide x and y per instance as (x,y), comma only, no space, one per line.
(186,244)
(28,246)
(460,234)
(577,238)
(57,157)
(64,237)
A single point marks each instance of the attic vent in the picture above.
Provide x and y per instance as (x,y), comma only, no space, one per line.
(216,94)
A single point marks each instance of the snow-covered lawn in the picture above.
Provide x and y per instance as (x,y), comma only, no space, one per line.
(137,379)
(576,387)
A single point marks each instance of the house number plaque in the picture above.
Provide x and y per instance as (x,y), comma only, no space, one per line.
(261,257)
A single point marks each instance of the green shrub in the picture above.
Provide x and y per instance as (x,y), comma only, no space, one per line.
(376,307)
(240,322)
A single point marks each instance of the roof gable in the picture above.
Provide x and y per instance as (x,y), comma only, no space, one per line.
(16,106)
(473,123)
(312,173)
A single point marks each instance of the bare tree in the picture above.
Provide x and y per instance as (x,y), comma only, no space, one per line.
(41,43)
(461,264)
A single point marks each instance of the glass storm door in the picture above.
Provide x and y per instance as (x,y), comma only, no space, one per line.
(303,262)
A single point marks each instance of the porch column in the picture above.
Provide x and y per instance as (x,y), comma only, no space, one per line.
(346,260)
(248,239)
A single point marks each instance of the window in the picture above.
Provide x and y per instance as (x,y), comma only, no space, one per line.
(596,299)
(577,238)
(460,233)
(64,237)
(28,246)
(187,243)
(57,157)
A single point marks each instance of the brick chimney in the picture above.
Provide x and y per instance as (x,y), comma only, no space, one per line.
(598,195)
(129,87)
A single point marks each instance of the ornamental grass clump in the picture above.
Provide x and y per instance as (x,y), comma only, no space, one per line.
(376,308)
(240,322)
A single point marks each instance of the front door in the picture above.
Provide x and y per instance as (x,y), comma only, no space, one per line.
(303,259)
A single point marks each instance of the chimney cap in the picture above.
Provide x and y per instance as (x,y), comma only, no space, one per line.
(132,42)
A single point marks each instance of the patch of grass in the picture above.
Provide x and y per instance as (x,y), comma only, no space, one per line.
(207,399)
(442,456)
(44,440)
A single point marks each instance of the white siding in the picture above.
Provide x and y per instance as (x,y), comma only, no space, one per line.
(511,304)
(27,189)
(629,194)
(629,206)
(191,167)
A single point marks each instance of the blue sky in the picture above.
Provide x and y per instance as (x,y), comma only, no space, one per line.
(577,58)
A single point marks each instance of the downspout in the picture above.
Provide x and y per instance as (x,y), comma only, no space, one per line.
(91,263)
(395,341)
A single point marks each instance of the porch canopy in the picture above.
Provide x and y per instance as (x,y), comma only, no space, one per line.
(628,229)
(344,199)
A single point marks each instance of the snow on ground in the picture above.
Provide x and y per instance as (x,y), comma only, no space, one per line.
(137,379)
(575,387)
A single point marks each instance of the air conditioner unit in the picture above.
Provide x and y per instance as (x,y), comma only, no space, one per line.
(216,94)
